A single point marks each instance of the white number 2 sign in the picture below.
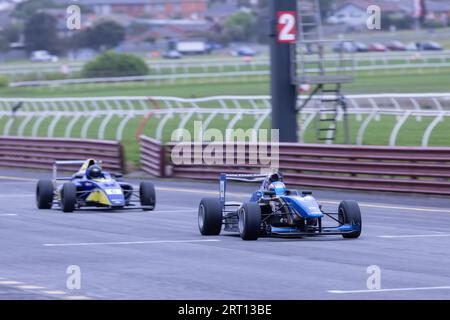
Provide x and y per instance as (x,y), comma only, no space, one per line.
(287,30)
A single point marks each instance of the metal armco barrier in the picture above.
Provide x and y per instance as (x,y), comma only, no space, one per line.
(398,169)
(152,156)
(373,168)
(39,153)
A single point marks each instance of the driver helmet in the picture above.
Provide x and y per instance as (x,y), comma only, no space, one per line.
(278,187)
(275,177)
(94,172)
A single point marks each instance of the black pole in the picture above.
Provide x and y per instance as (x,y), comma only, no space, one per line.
(284,93)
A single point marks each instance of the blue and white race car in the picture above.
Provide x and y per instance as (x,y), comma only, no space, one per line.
(274,210)
(92,187)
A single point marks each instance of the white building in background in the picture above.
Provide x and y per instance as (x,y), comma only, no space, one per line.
(350,14)
(5,5)
(9,5)
(353,13)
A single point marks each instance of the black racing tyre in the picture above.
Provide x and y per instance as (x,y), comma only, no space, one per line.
(210,217)
(147,195)
(249,221)
(44,194)
(68,197)
(349,212)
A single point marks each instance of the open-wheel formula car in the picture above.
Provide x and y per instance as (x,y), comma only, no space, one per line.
(274,210)
(92,187)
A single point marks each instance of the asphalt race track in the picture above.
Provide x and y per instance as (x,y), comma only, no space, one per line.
(161,255)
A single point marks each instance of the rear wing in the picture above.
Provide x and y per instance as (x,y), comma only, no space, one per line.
(82,163)
(251,178)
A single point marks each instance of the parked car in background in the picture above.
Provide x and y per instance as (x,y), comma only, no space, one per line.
(212,46)
(412,46)
(172,54)
(395,46)
(430,45)
(344,47)
(245,52)
(43,56)
(361,47)
(348,46)
(377,47)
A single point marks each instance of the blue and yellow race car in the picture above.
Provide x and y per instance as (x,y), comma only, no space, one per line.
(92,187)
(274,210)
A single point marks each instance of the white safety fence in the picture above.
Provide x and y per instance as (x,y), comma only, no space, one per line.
(100,113)
(157,79)
(219,64)
(165,79)
(236,67)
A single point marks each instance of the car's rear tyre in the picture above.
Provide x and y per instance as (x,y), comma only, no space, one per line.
(249,221)
(147,195)
(44,194)
(210,217)
(349,213)
(68,197)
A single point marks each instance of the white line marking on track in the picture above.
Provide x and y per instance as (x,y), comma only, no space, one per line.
(17,178)
(17,195)
(192,190)
(23,286)
(29,287)
(173,211)
(8,214)
(125,243)
(77,298)
(385,206)
(362,204)
(389,290)
(368,205)
(8,282)
(54,292)
(416,235)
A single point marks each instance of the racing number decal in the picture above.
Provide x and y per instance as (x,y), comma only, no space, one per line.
(287,30)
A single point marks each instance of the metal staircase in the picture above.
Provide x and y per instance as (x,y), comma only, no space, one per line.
(331,101)
(317,65)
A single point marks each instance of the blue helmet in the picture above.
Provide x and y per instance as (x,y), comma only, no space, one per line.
(278,187)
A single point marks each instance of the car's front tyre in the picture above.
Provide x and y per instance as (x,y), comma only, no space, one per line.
(210,217)
(147,195)
(249,221)
(44,194)
(68,197)
(350,213)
